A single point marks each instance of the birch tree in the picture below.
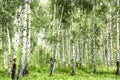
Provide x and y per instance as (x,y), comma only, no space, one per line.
(58,29)
(77,52)
(16,42)
(93,38)
(58,42)
(68,47)
(73,39)
(20,72)
(52,60)
(108,61)
(110,24)
(26,70)
(117,29)
(63,48)
(73,49)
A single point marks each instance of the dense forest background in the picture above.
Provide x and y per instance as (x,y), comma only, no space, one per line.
(59,40)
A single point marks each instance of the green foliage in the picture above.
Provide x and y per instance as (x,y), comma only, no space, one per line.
(42,19)
(42,73)
(40,56)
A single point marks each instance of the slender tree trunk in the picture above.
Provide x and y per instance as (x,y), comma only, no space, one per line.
(58,29)
(89,53)
(26,70)
(67,47)
(108,47)
(117,28)
(80,53)
(77,52)
(16,42)
(9,47)
(52,60)
(111,54)
(20,72)
(101,53)
(69,52)
(63,48)
(80,40)
(73,49)
(82,37)
(73,39)
(93,38)
(58,43)
(86,51)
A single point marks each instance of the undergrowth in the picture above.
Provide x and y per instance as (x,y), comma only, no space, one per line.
(63,73)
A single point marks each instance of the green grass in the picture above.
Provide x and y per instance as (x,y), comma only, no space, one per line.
(42,73)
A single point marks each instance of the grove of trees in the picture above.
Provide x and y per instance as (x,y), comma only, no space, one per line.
(69,34)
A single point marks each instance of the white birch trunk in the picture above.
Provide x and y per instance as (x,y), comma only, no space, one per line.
(67,47)
(58,43)
(117,26)
(69,52)
(16,41)
(58,29)
(73,49)
(117,30)
(20,72)
(82,52)
(108,48)
(101,48)
(101,51)
(26,70)
(53,26)
(63,48)
(29,35)
(52,60)
(111,54)
(93,39)
(61,15)
(117,43)
(77,52)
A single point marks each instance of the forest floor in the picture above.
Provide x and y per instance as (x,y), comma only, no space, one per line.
(42,73)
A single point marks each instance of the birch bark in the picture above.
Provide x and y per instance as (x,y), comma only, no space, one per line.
(20,72)
(16,42)
(117,44)
(93,38)
(52,60)
(108,47)
(26,70)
